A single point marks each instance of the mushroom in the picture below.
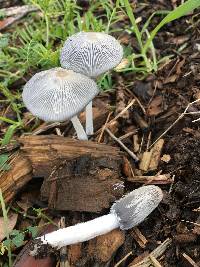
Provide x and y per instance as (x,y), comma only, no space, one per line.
(126,213)
(92,54)
(59,94)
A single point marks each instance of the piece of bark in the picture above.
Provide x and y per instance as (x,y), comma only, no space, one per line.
(103,247)
(185,238)
(85,183)
(139,237)
(46,152)
(16,177)
(156,152)
(136,145)
(78,175)
(145,161)
(74,254)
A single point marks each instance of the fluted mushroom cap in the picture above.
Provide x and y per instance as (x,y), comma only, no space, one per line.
(136,206)
(58,94)
(91,53)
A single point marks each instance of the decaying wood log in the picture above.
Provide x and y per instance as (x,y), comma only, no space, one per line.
(79,175)
(16,177)
(46,152)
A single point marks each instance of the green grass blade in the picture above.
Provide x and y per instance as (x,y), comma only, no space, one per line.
(9,134)
(178,12)
(131,16)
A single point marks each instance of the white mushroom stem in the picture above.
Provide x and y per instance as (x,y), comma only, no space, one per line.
(89,119)
(81,134)
(81,232)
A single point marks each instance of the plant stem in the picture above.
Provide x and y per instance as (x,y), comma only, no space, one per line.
(137,32)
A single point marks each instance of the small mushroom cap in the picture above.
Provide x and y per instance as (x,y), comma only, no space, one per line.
(91,53)
(58,94)
(136,206)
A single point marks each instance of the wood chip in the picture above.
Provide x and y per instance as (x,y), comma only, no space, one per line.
(74,253)
(156,152)
(136,144)
(103,247)
(145,161)
(139,237)
(157,179)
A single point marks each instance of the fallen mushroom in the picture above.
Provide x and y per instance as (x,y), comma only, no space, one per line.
(59,94)
(92,54)
(126,213)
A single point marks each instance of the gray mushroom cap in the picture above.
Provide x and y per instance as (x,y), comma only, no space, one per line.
(91,53)
(136,206)
(58,94)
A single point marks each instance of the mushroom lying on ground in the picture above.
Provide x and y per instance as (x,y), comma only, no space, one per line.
(126,213)
(92,54)
(59,94)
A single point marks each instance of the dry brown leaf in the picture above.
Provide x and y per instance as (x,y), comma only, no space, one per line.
(179,66)
(12,220)
(170,79)
(155,107)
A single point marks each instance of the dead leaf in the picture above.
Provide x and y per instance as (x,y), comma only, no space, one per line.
(122,65)
(12,220)
(170,79)
(179,66)
(155,107)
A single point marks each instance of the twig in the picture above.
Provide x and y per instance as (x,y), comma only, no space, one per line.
(138,101)
(179,118)
(15,13)
(103,128)
(146,262)
(122,145)
(123,259)
(128,135)
(118,115)
(154,261)
(122,112)
(11,11)
(189,260)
